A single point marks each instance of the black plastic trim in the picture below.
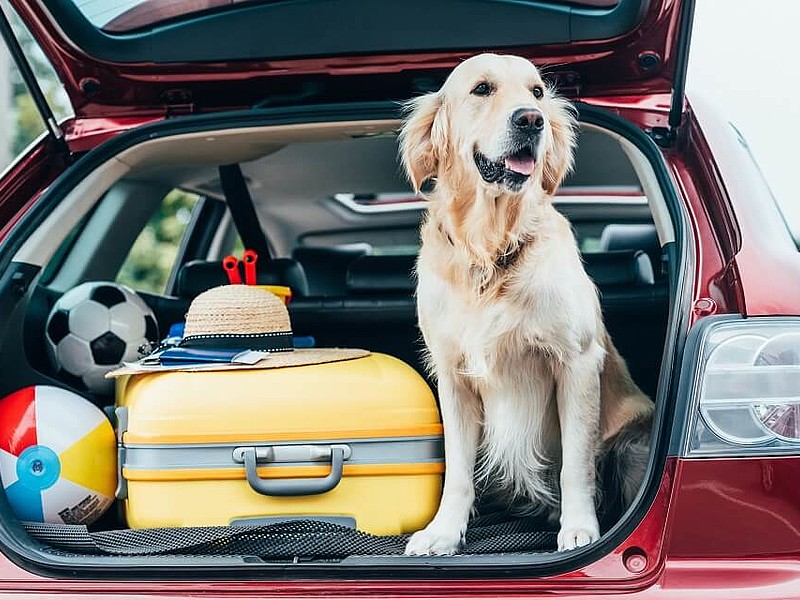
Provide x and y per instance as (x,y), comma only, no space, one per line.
(30,555)
(269,30)
(202,228)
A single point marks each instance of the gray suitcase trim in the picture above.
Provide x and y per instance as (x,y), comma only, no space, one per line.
(421,449)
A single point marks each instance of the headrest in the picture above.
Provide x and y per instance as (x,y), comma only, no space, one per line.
(630,236)
(326,268)
(381,274)
(619,268)
(197,276)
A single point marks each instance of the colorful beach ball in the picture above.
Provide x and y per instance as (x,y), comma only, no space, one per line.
(57,456)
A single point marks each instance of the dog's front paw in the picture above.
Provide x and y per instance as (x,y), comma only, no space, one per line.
(432,540)
(577,533)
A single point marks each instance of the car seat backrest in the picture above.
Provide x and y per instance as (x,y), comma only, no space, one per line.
(395,274)
(381,275)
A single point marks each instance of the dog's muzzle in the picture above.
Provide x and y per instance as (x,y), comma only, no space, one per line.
(514,168)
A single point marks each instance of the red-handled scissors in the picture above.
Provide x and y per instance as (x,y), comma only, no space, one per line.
(250,258)
(231,266)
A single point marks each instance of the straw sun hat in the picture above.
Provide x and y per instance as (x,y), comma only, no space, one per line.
(251,318)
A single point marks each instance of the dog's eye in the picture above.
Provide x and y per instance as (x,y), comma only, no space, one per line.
(538,92)
(482,89)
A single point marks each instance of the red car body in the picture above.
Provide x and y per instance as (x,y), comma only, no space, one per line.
(725,528)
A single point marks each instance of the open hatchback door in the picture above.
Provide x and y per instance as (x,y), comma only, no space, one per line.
(169,57)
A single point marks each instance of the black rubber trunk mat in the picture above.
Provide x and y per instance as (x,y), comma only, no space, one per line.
(286,540)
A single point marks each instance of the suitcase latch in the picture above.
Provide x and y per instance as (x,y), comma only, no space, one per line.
(293,453)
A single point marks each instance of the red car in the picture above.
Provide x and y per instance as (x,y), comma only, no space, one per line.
(698,271)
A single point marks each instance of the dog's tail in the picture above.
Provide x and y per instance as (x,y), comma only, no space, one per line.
(622,466)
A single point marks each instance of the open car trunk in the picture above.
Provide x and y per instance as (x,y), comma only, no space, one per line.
(55,247)
(148,60)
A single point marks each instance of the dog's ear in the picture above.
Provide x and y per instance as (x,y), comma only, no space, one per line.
(559,157)
(421,137)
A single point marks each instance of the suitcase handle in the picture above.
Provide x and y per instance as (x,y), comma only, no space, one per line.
(293,487)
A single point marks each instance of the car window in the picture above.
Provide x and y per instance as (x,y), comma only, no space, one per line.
(403,241)
(153,255)
(20,121)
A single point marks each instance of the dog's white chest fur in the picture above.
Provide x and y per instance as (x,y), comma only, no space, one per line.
(509,362)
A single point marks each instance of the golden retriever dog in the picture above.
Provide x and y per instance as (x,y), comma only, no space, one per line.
(528,378)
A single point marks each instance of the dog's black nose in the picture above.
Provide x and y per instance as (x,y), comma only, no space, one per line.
(528,119)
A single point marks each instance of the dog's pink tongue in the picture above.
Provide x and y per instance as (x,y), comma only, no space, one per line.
(523,166)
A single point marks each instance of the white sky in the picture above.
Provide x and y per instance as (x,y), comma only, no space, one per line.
(744,58)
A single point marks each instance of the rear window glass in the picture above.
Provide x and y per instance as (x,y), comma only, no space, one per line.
(152,258)
(127,15)
(380,203)
(21,122)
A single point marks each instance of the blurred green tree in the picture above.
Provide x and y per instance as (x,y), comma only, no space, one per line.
(153,254)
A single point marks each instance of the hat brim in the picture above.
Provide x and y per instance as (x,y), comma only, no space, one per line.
(275,360)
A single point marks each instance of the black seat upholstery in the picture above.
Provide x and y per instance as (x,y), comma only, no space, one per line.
(376,309)
(632,236)
(379,312)
(629,236)
(381,275)
(385,324)
(326,268)
(619,268)
(394,274)
(199,275)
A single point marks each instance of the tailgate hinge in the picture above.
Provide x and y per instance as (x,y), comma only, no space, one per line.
(178,103)
(663,136)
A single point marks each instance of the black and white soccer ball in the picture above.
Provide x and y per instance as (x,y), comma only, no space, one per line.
(93,329)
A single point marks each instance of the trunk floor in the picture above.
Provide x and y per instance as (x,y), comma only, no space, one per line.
(496,533)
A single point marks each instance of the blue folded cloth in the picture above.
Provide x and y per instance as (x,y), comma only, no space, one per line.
(304,341)
(199,356)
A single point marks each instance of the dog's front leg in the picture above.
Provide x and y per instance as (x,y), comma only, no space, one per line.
(578,396)
(461,420)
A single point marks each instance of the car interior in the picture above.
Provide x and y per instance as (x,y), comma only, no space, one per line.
(338,224)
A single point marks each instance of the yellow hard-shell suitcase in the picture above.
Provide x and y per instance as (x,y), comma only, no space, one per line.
(357,442)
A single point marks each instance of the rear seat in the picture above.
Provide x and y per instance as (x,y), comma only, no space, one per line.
(377,311)
(621,269)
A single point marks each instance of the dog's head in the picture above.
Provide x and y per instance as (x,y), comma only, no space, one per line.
(494,123)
